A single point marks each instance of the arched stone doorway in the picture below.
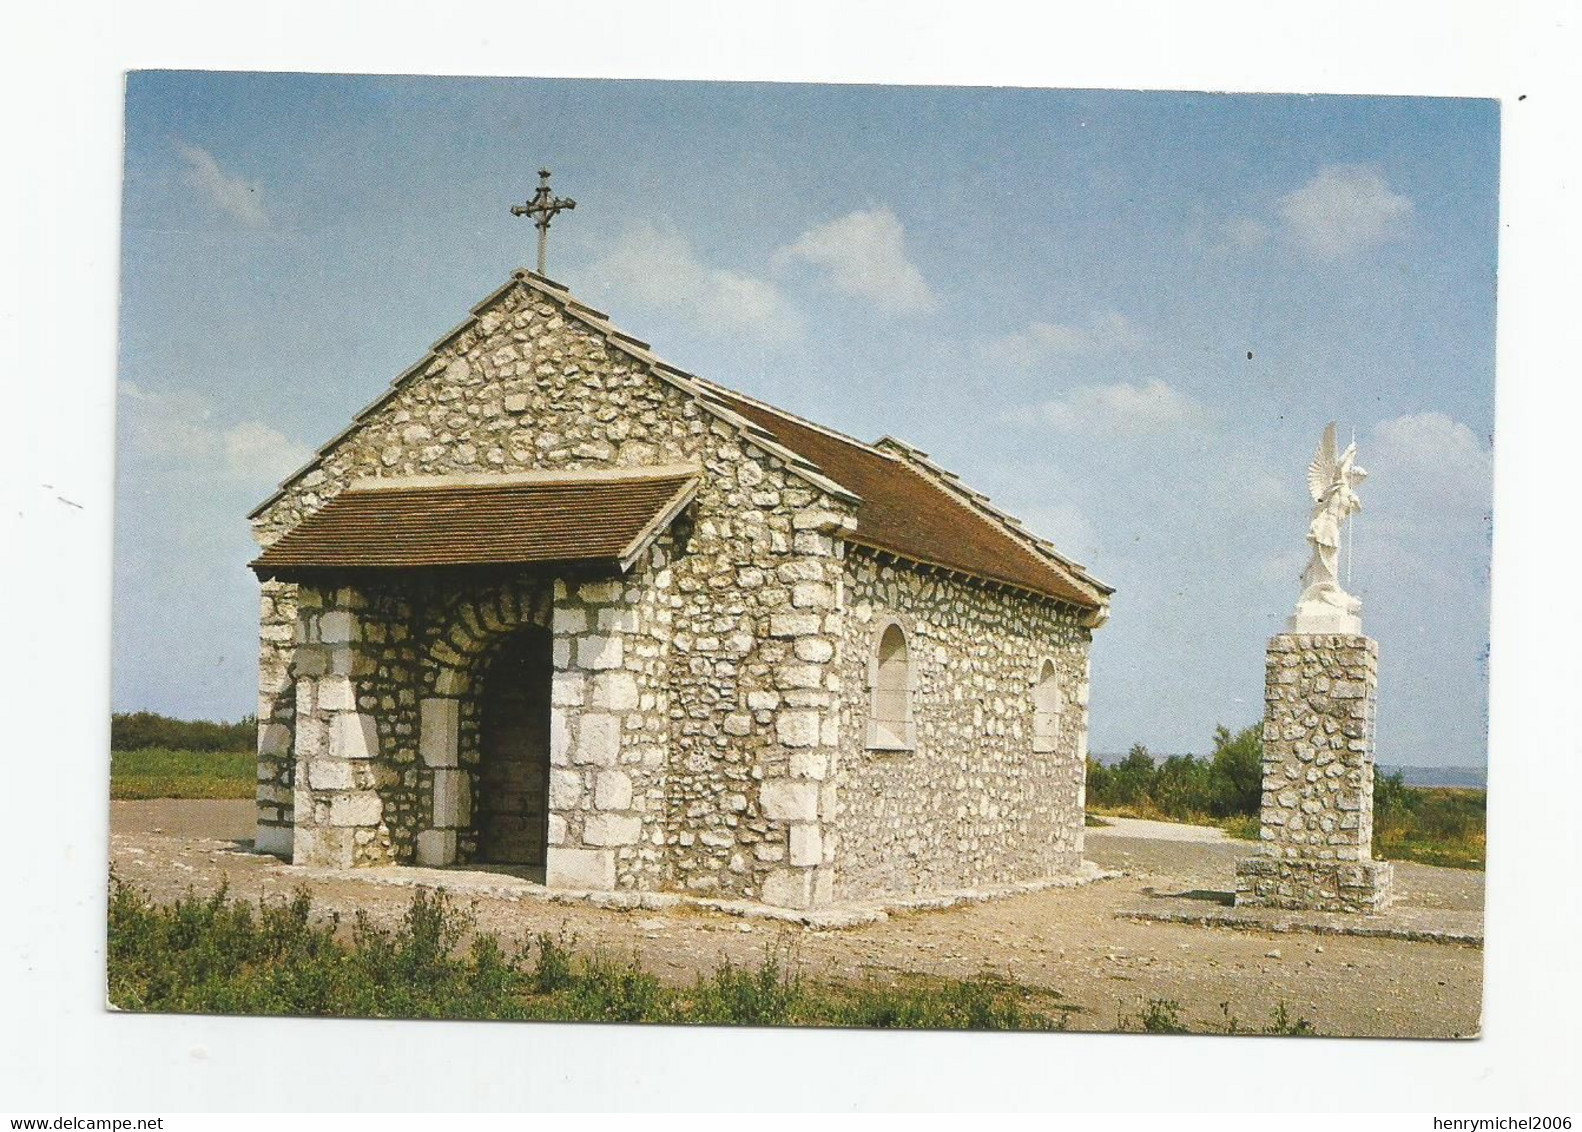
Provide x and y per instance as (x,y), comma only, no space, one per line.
(511,808)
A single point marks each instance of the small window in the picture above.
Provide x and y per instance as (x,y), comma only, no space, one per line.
(890,726)
(1046,709)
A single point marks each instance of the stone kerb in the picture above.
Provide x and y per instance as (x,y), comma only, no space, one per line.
(338,810)
(1316,817)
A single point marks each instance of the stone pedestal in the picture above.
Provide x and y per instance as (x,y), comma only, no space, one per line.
(1316,822)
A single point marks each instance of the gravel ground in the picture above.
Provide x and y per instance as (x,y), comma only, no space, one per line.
(1068,940)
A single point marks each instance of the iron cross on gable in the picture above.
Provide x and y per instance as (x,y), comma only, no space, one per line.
(543,207)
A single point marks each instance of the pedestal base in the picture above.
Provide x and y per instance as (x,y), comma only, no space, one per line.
(1314,886)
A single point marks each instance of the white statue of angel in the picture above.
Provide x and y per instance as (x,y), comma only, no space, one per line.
(1332,480)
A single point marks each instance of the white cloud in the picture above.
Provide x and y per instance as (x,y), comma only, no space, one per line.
(1065,525)
(1105,333)
(1343,210)
(1246,233)
(657,268)
(257,452)
(864,253)
(180,427)
(231,195)
(1121,410)
(1433,460)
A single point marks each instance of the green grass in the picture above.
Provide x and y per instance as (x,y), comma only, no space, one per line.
(160,772)
(220,955)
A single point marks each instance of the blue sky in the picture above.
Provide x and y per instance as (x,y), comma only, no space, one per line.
(1054,293)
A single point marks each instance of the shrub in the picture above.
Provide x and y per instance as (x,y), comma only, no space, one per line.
(134,731)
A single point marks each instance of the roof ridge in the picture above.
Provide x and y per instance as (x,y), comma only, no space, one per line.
(941,480)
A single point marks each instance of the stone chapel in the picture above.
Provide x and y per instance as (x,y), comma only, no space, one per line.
(551,603)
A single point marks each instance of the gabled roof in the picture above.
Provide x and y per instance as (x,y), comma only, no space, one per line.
(913,510)
(906,506)
(594,518)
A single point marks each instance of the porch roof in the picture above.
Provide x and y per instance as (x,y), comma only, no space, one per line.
(587,518)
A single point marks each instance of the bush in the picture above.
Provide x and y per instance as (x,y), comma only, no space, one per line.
(1434,825)
(1227,784)
(137,730)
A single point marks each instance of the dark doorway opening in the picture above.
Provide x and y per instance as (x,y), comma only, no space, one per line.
(512,801)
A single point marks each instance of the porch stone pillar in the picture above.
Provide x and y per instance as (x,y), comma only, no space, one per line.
(337,810)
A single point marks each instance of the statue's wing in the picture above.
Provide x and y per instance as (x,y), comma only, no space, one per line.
(1321,472)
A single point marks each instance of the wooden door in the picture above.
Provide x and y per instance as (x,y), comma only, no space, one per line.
(512,801)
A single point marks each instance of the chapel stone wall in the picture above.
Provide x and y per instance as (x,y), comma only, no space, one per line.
(715,780)
(973,803)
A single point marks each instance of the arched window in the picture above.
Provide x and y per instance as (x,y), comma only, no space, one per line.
(890,726)
(1046,708)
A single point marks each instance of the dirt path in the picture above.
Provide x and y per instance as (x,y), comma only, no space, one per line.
(1068,940)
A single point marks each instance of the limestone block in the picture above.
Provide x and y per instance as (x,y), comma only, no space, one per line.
(273,795)
(618,619)
(814,650)
(812,595)
(448,788)
(580,868)
(438,731)
(794,624)
(807,846)
(436,848)
(353,736)
(274,740)
(599,593)
(337,627)
(797,728)
(787,888)
(565,789)
(559,738)
(598,740)
(784,799)
(737,723)
(568,689)
(612,790)
(330,774)
(336,693)
(516,402)
(355,809)
(569,619)
(323,848)
(557,829)
(616,691)
(312,737)
(763,701)
(809,764)
(274,839)
(599,652)
(817,521)
(611,829)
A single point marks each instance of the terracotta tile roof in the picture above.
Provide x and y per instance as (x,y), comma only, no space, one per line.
(908,512)
(489,521)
